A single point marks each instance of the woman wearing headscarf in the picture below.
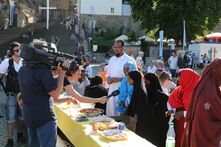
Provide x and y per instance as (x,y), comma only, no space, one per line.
(138,109)
(204,114)
(126,89)
(96,90)
(180,99)
(157,102)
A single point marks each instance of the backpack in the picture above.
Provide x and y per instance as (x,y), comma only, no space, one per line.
(12,84)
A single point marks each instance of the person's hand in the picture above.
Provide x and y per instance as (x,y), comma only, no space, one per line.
(65,65)
(178,115)
(169,113)
(122,104)
(103,100)
(72,100)
(20,102)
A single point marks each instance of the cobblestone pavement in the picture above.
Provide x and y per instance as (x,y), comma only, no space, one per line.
(3,123)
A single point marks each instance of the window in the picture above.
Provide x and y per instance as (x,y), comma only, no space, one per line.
(126,2)
(91,9)
(112,10)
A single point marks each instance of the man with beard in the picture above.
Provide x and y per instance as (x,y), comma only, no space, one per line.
(115,74)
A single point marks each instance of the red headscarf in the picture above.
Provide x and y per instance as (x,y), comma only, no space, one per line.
(180,97)
(204,114)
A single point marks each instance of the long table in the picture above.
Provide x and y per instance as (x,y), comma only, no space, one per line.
(80,133)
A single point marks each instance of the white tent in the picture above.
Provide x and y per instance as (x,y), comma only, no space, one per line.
(122,37)
(214,35)
(146,38)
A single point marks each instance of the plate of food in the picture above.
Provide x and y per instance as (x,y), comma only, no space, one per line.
(81,118)
(101,126)
(113,135)
(102,118)
(92,112)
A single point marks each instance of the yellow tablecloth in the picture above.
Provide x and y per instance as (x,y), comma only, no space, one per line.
(80,134)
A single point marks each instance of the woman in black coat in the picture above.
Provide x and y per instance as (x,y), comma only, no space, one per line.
(138,107)
(157,102)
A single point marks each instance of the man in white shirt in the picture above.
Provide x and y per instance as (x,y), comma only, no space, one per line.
(115,74)
(83,82)
(201,62)
(152,68)
(172,61)
(10,68)
(166,83)
(88,68)
(140,63)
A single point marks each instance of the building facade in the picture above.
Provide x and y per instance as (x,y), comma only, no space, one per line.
(105,7)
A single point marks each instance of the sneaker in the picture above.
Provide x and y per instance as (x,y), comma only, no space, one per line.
(10,143)
(21,138)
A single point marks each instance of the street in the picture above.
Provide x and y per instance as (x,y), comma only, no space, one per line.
(3,122)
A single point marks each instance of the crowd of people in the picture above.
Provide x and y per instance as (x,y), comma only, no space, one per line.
(149,97)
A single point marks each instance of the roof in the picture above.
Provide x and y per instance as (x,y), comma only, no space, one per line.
(122,37)
(146,38)
(214,35)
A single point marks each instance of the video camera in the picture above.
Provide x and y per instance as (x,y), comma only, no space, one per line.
(40,55)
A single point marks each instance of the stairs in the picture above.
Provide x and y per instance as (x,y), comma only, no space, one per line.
(55,29)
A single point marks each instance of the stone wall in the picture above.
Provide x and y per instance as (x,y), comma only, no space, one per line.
(123,23)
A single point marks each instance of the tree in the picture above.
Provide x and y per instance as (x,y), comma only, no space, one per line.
(104,39)
(200,16)
(132,36)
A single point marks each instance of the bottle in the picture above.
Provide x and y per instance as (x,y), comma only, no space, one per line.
(170,141)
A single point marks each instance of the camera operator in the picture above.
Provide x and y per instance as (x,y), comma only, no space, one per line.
(38,90)
(10,67)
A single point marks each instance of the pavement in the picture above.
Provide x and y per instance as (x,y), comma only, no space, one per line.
(3,127)
(3,123)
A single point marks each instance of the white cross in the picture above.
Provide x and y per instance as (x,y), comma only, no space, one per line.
(47,8)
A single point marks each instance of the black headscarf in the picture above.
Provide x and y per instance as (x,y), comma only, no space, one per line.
(95,90)
(154,81)
(97,80)
(136,77)
(157,103)
(138,106)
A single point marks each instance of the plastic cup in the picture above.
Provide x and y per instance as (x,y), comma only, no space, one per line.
(121,126)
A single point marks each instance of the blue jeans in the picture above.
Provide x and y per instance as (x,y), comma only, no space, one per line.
(173,72)
(11,109)
(44,136)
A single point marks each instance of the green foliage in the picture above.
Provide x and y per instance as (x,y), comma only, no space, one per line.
(111,33)
(132,36)
(200,15)
(104,40)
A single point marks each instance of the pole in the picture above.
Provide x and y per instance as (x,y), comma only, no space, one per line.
(184,35)
(161,43)
(12,11)
(47,14)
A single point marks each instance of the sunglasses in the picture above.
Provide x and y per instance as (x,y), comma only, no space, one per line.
(16,50)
